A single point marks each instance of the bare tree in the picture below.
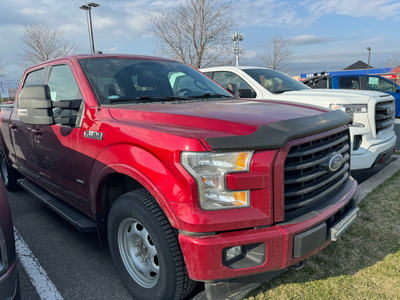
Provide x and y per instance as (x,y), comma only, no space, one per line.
(40,42)
(196,33)
(278,54)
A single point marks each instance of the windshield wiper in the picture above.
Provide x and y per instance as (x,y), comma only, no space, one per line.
(208,95)
(146,98)
(165,98)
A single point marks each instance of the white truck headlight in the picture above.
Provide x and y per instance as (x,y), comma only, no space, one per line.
(209,170)
(350,108)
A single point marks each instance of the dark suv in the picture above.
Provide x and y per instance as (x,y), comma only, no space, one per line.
(8,258)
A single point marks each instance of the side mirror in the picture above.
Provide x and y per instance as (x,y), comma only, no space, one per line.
(247,93)
(34,105)
(233,89)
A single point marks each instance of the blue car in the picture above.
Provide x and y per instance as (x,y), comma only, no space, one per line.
(357,82)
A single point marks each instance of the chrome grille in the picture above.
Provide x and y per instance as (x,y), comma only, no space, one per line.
(308,182)
(384,115)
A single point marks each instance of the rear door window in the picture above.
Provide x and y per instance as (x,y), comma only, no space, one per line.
(34,77)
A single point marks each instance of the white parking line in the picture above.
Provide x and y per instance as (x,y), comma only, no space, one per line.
(38,276)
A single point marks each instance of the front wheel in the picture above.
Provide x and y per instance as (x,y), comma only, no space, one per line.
(145,249)
(8,174)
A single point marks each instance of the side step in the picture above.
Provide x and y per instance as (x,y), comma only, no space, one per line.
(76,218)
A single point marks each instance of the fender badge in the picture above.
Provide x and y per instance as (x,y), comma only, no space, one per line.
(93,135)
(22,112)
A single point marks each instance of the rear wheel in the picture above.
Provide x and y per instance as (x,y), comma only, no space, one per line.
(8,174)
(145,249)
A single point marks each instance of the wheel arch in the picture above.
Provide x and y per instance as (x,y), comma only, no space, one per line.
(118,179)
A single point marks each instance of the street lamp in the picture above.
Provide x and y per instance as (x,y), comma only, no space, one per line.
(236,38)
(369,56)
(88,8)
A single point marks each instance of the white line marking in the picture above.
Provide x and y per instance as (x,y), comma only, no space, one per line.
(38,276)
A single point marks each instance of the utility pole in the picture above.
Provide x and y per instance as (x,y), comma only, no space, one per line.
(369,57)
(236,38)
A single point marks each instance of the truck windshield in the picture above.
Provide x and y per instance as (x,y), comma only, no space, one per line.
(275,81)
(116,80)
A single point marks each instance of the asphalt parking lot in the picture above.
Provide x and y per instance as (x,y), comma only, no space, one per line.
(59,262)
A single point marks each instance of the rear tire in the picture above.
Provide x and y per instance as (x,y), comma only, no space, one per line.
(145,249)
(8,174)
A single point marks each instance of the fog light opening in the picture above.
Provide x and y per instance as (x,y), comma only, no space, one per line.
(233,252)
(357,142)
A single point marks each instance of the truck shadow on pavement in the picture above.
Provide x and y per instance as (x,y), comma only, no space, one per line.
(76,262)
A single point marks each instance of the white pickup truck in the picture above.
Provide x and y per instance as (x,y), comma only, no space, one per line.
(372,132)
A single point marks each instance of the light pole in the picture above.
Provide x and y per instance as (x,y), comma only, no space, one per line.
(369,56)
(88,8)
(236,38)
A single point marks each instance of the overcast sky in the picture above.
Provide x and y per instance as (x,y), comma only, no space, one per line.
(323,34)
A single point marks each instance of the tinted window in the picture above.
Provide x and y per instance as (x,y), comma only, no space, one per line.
(318,83)
(35,77)
(352,83)
(275,81)
(121,79)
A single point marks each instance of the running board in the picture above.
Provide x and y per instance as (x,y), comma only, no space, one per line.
(76,218)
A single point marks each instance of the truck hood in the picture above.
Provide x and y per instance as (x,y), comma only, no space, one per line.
(211,118)
(326,97)
(230,124)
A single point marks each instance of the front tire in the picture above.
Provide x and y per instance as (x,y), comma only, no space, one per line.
(145,249)
(8,174)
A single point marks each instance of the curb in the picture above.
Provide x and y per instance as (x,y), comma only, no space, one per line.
(374,181)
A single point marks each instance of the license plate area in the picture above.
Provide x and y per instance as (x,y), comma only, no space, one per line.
(316,237)
(343,223)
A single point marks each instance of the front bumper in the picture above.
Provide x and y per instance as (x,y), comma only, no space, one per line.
(371,152)
(8,283)
(266,249)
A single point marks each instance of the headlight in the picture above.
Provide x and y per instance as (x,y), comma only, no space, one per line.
(209,170)
(350,108)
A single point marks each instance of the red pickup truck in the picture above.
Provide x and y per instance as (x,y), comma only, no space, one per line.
(183,181)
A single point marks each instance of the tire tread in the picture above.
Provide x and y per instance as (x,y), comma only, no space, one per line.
(184,285)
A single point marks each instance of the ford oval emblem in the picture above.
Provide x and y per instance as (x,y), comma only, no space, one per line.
(335,162)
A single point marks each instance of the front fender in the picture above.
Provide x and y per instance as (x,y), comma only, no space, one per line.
(161,178)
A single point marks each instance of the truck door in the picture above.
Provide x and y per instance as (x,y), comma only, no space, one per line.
(62,166)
